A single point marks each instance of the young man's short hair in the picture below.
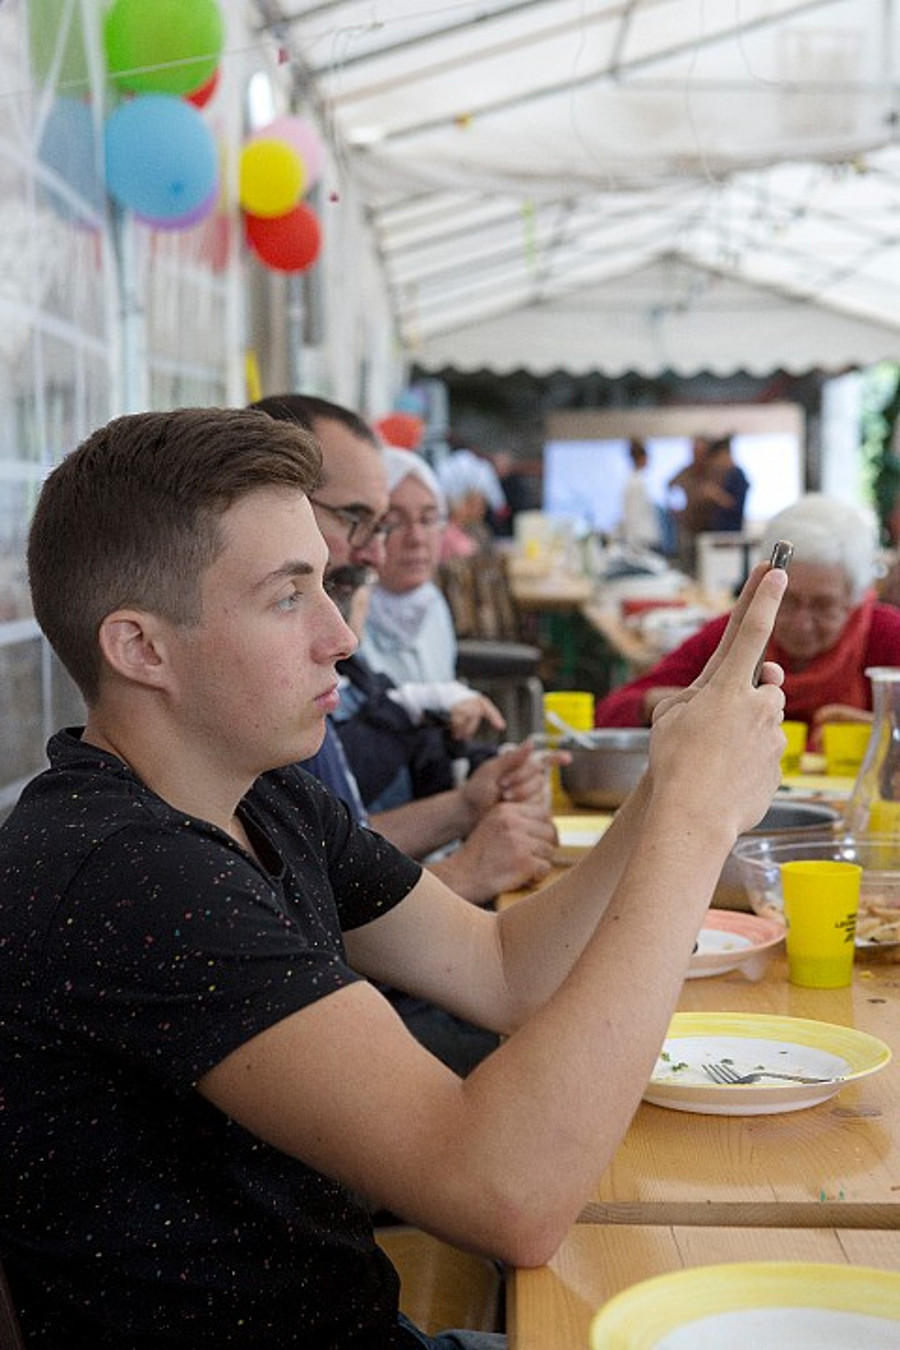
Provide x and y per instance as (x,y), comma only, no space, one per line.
(132,518)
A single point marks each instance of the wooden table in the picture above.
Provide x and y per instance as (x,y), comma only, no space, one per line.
(628,645)
(554,591)
(551,1308)
(820,1184)
(837,1163)
(551,609)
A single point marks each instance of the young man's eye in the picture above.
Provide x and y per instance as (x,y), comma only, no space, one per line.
(287,602)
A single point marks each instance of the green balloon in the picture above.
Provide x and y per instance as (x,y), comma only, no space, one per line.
(163,46)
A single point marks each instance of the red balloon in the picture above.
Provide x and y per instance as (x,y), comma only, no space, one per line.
(204,92)
(288,243)
(400,429)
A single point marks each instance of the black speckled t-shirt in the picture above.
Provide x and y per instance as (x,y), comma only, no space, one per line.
(138,948)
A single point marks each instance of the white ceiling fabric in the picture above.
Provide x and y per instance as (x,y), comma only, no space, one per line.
(621,184)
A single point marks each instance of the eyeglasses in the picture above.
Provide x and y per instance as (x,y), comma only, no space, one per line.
(821,608)
(362,526)
(429,519)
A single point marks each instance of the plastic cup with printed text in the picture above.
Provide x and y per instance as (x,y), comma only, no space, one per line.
(821,900)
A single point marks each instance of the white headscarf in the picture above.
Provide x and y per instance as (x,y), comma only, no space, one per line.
(403,463)
(394,621)
(464,472)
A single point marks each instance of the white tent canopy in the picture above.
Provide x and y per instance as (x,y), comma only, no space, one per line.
(620,184)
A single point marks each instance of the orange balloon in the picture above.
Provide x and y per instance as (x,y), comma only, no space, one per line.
(400,429)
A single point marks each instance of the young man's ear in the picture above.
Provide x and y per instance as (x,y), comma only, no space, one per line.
(132,645)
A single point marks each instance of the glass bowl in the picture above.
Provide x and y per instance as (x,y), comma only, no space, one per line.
(758,859)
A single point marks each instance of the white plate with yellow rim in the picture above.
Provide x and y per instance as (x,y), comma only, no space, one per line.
(799,1304)
(577,834)
(752,1043)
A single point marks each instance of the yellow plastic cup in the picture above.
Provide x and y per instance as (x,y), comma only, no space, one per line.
(845,745)
(821,900)
(576,708)
(796,733)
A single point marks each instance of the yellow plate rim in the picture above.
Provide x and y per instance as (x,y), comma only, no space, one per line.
(637,1317)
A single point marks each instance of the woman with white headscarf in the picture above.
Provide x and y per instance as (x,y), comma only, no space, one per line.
(471,487)
(409,630)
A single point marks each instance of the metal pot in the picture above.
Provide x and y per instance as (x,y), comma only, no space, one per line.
(603,775)
(784,821)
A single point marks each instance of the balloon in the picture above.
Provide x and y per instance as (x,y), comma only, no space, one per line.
(200,97)
(68,148)
(305,140)
(189,219)
(161,158)
(163,46)
(270,178)
(401,429)
(411,401)
(288,243)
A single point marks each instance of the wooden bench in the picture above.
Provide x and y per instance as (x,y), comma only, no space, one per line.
(442,1287)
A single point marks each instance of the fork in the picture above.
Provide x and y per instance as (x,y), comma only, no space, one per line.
(724,1073)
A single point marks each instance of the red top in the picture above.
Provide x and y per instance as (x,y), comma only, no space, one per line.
(871,637)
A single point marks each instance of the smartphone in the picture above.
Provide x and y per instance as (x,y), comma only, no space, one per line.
(782,554)
(781,557)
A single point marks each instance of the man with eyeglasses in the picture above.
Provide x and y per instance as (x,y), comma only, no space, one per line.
(499,813)
(351,508)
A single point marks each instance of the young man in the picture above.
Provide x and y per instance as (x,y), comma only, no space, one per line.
(200,1076)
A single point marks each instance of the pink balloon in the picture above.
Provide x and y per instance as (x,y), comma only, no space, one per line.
(302,137)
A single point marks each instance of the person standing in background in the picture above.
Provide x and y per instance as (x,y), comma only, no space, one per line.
(691,504)
(726,488)
(640,524)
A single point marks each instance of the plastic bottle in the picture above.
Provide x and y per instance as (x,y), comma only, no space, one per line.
(874,806)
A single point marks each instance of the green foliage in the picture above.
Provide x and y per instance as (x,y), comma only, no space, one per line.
(880,410)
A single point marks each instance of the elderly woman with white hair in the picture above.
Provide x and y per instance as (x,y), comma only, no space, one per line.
(408,632)
(829,630)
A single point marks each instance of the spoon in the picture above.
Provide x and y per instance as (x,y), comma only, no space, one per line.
(579,737)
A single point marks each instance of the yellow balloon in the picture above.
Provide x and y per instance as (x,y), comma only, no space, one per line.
(271,177)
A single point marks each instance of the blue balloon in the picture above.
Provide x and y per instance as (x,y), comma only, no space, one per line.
(68,149)
(161,158)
